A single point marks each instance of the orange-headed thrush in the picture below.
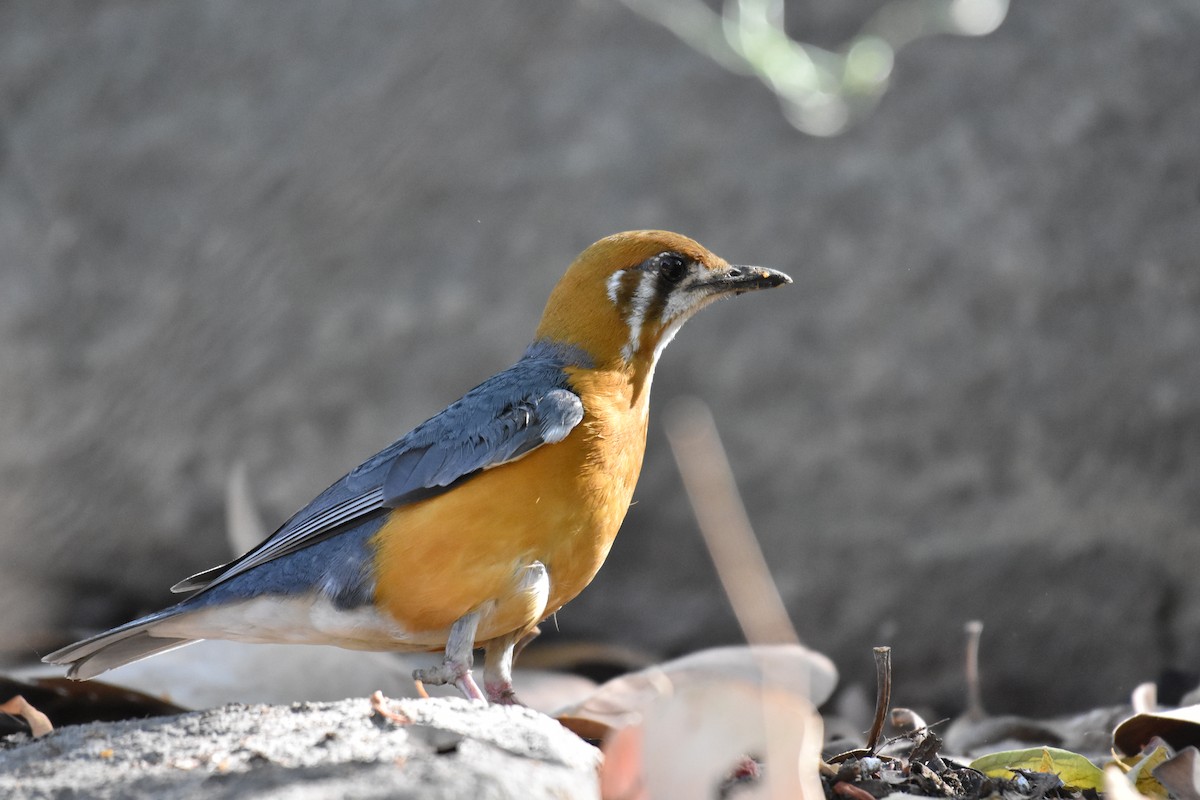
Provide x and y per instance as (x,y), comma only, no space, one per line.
(483,520)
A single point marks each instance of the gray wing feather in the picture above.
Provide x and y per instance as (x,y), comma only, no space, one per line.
(496,438)
(500,420)
(291,537)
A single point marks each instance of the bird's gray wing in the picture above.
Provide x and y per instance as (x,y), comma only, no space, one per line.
(526,406)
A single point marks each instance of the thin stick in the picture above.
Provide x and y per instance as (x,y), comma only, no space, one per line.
(725,527)
(883,694)
(975,710)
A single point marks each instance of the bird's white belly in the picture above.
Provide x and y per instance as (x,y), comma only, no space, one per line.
(298,620)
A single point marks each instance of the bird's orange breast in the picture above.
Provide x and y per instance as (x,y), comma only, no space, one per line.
(562,505)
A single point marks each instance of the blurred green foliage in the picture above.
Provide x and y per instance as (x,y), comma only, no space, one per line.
(822,92)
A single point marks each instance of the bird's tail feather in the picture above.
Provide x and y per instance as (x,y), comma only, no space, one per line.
(114,648)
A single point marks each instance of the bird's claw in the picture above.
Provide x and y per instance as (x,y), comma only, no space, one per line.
(502,694)
(450,673)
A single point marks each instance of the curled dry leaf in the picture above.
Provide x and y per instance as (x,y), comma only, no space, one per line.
(70,702)
(843,789)
(1118,787)
(1144,698)
(690,740)
(379,707)
(1178,727)
(1140,771)
(39,723)
(1181,774)
(906,720)
(621,701)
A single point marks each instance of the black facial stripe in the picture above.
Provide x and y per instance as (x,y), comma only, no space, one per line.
(658,303)
(629,284)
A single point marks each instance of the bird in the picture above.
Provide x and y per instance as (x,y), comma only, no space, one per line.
(485,519)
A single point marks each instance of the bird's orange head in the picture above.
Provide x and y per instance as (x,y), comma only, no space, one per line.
(624,298)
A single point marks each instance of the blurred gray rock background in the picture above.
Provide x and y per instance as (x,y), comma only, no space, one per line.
(285,232)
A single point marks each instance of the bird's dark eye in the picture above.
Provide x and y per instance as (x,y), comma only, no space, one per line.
(672,267)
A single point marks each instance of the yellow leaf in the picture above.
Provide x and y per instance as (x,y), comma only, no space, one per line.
(1071,768)
(1142,772)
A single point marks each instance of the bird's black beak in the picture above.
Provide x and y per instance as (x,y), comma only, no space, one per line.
(737,279)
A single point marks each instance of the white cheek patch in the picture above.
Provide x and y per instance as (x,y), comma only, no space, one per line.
(633,305)
(614,286)
(643,296)
(635,301)
(676,307)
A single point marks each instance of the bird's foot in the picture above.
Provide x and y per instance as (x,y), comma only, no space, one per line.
(455,669)
(451,673)
(497,672)
(501,693)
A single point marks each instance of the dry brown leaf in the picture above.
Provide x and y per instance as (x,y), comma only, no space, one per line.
(621,701)
(689,740)
(1181,774)
(70,702)
(379,706)
(1178,727)
(621,774)
(1118,787)
(844,789)
(39,723)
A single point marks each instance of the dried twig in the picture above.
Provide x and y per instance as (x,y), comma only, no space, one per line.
(725,527)
(883,694)
(883,699)
(744,575)
(379,706)
(244,527)
(975,710)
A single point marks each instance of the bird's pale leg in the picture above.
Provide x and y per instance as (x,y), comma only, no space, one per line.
(497,669)
(525,640)
(533,590)
(456,663)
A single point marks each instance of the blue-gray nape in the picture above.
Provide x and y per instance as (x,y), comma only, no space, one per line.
(559,353)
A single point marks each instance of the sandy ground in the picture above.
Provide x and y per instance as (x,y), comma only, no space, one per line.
(450,749)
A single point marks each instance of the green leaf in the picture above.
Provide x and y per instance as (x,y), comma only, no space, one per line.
(1071,768)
